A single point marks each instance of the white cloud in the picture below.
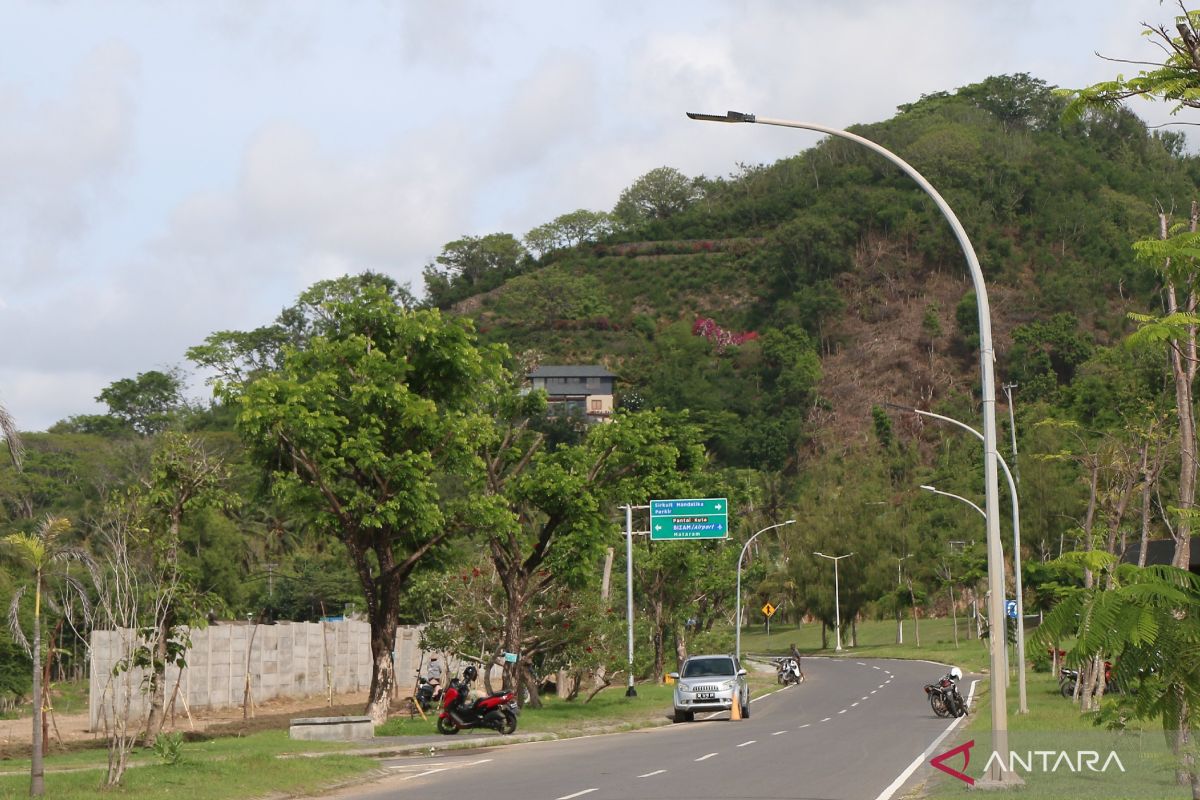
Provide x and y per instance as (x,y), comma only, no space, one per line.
(58,157)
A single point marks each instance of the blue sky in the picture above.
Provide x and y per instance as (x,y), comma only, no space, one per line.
(169,169)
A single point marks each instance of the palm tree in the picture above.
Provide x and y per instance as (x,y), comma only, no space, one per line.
(1144,618)
(41,549)
(9,433)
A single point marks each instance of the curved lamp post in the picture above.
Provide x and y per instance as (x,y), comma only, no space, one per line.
(996,773)
(1023,701)
(837,603)
(738,616)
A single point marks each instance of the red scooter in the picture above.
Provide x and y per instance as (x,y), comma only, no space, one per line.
(497,711)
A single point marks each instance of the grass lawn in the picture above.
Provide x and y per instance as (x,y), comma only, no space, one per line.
(1055,725)
(218,769)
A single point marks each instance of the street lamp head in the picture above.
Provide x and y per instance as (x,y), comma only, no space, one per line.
(789,522)
(730,116)
(822,555)
(928,488)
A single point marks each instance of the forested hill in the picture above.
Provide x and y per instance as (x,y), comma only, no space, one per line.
(845,271)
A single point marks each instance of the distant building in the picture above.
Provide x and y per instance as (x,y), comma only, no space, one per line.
(1162,551)
(583,390)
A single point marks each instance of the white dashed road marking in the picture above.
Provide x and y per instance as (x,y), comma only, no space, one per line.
(805,725)
(743,744)
(778,733)
(701,758)
(579,794)
(652,774)
(827,719)
(843,711)
(852,705)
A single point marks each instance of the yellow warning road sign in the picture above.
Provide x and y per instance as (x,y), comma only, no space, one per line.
(768,609)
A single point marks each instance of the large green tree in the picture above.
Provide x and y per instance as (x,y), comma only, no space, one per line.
(361,429)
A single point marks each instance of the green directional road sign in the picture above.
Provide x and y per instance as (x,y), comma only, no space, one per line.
(706,518)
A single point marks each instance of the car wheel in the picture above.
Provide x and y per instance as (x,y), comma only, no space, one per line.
(746,709)
(682,716)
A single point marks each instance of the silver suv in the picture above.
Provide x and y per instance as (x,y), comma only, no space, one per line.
(710,683)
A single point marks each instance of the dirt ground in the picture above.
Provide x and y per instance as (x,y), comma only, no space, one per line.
(71,731)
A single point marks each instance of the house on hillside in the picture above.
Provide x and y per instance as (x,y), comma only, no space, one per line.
(1162,551)
(583,390)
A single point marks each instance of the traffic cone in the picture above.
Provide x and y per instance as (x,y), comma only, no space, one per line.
(735,711)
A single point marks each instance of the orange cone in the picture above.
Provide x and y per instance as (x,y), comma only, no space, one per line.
(735,711)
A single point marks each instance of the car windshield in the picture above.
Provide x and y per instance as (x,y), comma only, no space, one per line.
(704,667)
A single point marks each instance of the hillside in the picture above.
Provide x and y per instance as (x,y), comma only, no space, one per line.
(834,252)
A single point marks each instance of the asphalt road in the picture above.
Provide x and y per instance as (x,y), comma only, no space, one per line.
(849,731)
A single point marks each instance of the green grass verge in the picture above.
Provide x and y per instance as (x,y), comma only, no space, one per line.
(1055,724)
(218,769)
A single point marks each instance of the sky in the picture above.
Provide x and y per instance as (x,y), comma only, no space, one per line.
(169,169)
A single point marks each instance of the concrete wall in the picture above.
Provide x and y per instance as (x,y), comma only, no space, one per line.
(289,659)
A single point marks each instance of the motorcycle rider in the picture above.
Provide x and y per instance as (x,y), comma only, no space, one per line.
(434,676)
(795,653)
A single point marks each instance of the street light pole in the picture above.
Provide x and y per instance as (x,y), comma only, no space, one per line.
(1022,694)
(997,773)
(837,603)
(737,620)
(899,616)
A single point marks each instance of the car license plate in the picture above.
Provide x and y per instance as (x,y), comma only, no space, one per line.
(513,707)
(707,695)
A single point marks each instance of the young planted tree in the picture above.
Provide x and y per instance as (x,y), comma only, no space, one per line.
(40,550)
(1140,623)
(362,430)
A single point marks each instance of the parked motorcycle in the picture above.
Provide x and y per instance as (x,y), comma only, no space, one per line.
(787,671)
(497,711)
(1067,678)
(944,698)
(428,693)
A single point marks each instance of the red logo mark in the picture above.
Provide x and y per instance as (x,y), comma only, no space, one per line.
(965,749)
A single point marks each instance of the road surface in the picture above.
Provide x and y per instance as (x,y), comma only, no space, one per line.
(848,732)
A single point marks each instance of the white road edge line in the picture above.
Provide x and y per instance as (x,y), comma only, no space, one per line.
(426,772)
(887,793)
(701,758)
(652,774)
(585,791)
(743,744)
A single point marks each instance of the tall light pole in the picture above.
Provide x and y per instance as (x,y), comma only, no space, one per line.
(837,603)
(899,616)
(997,773)
(1022,694)
(738,615)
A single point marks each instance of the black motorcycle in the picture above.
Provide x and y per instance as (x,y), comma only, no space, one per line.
(944,698)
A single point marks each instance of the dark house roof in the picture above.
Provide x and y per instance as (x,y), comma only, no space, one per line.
(574,371)
(1162,551)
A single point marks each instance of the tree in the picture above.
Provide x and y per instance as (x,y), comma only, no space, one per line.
(1136,620)
(184,477)
(41,550)
(363,431)
(1175,79)
(472,264)
(659,194)
(11,436)
(146,403)
(568,230)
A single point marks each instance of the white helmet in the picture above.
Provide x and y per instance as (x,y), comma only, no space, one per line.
(955,674)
